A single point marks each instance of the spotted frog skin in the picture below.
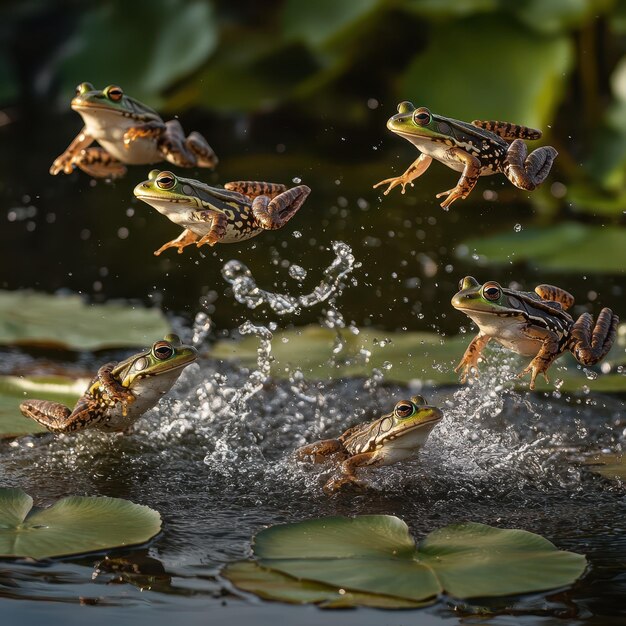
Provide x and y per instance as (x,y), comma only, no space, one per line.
(211,215)
(477,149)
(120,393)
(391,438)
(532,324)
(128,132)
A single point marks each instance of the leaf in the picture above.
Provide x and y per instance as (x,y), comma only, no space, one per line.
(375,554)
(182,35)
(14,389)
(567,247)
(73,525)
(36,319)
(514,95)
(272,585)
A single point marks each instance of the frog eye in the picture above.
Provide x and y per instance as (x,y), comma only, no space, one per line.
(83,88)
(492,291)
(421,117)
(113,92)
(404,409)
(162,350)
(166,180)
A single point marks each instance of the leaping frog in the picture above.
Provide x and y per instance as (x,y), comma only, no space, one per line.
(532,324)
(394,437)
(478,149)
(129,132)
(120,393)
(211,215)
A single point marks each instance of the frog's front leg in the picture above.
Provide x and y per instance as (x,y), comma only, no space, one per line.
(186,238)
(150,130)
(319,451)
(273,213)
(219,223)
(115,391)
(469,177)
(348,472)
(57,417)
(71,157)
(527,172)
(547,354)
(555,294)
(468,365)
(415,170)
(589,343)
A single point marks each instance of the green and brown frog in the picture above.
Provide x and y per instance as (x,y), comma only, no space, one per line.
(532,324)
(478,149)
(209,215)
(394,437)
(120,393)
(128,132)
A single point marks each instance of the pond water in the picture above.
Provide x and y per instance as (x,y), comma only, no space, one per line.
(215,457)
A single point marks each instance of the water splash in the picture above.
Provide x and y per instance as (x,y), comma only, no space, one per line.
(246,291)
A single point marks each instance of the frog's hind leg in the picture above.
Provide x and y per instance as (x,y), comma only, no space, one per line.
(527,172)
(508,131)
(319,451)
(275,213)
(589,343)
(186,238)
(348,472)
(555,294)
(97,162)
(205,155)
(58,418)
(173,145)
(219,224)
(254,188)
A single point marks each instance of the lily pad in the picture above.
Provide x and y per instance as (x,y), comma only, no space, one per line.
(376,554)
(15,389)
(36,319)
(271,585)
(403,357)
(567,247)
(73,525)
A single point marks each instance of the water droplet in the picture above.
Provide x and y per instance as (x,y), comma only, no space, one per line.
(517,228)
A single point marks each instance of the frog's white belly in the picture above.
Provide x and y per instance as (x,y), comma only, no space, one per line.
(507,331)
(404,447)
(148,391)
(108,131)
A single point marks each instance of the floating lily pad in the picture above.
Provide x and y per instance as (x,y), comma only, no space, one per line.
(37,319)
(567,247)
(423,356)
(375,554)
(15,389)
(272,585)
(73,525)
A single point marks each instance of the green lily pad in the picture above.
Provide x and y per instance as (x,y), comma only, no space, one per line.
(73,525)
(15,389)
(37,319)
(272,585)
(423,356)
(567,247)
(376,554)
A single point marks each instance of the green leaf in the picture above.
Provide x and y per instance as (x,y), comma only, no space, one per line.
(28,318)
(515,94)
(567,247)
(272,585)
(375,554)
(73,525)
(14,389)
(182,35)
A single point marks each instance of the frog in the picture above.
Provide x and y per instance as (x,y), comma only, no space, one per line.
(120,393)
(210,215)
(531,324)
(479,148)
(129,132)
(394,437)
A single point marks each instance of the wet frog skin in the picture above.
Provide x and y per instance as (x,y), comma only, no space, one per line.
(478,149)
(128,132)
(209,215)
(532,324)
(389,439)
(120,393)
